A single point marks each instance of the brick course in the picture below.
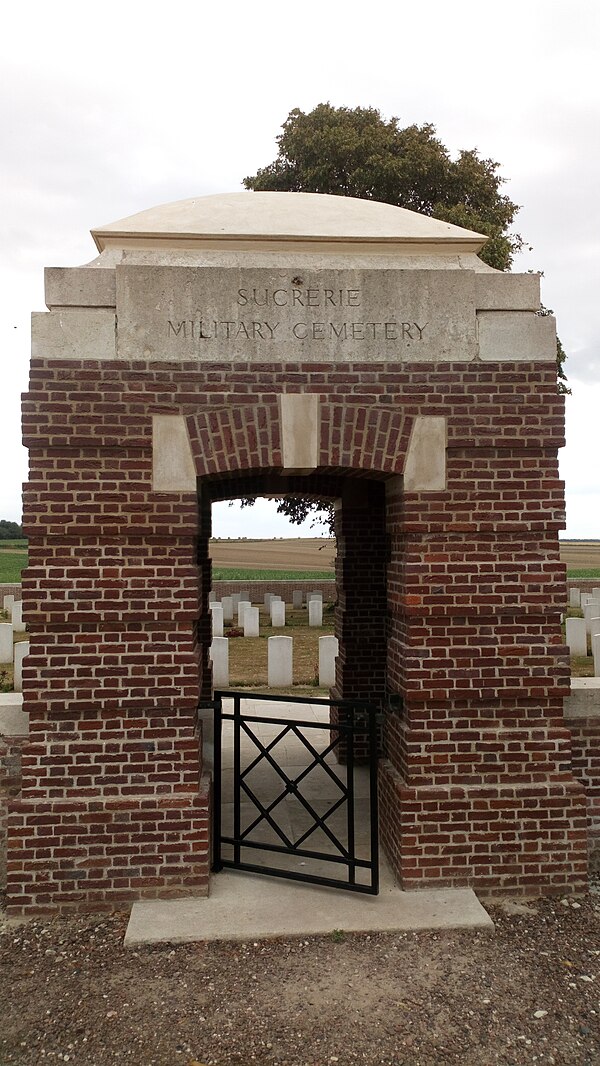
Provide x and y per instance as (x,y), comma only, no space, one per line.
(585,733)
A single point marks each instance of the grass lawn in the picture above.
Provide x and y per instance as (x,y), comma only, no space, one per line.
(588,574)
(11,564)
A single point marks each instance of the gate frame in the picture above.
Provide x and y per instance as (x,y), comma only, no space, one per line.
(358,711)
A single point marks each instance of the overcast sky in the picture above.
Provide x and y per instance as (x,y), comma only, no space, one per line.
(110,109)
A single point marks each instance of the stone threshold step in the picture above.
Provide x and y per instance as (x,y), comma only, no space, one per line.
(243,906)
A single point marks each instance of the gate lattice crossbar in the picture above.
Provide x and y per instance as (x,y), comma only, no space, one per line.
(354,717)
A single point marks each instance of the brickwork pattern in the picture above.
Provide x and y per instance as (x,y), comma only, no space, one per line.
(585,733)
(468,650)
(10,786)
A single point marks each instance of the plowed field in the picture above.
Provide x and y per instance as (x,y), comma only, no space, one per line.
(298,554)
(319,554)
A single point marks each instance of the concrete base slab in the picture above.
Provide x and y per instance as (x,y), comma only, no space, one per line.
(243,906)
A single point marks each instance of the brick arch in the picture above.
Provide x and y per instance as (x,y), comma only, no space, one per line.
(241,437)
(360,438)
(248,437)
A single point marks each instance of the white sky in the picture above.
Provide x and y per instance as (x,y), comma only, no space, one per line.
(107,110)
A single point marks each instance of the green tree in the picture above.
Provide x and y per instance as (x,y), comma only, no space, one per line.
(355,152)
(10,530)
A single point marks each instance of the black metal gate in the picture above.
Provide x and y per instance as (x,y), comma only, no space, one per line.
(278,784)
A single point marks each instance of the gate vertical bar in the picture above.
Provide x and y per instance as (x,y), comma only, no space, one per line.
(237,728)
(374,806)
(350,720)
(217,784)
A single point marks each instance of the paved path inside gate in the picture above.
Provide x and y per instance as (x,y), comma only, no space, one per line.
(244,905)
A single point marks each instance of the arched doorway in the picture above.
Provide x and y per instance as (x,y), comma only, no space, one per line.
(310,816)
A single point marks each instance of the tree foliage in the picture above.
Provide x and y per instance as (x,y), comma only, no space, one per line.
(299,508)
(10,530)
(356,152)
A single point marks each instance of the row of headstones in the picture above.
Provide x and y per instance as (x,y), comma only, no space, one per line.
(11,653)
(579,629)
(280,661)
(238,606)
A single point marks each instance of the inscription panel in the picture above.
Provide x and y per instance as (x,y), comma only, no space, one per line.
(214,314)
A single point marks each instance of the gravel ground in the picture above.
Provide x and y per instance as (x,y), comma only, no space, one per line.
(528,993)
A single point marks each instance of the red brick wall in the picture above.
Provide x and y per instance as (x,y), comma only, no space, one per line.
(111,806)
(585,734)
(10,785)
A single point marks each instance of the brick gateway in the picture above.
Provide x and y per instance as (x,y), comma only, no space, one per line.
(441,450)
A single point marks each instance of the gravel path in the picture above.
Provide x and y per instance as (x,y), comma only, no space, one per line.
(528,993)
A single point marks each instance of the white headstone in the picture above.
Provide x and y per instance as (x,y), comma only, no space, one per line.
(277,614)
(245,595)
(576,636)
(212,597)
(217,620)
(235,599)
(242,607)
(574,597)
(267,600)
(591,610)
(585,599)
(328,650)
(227,605)
(7,604)
(17,617)
(280,655)
(21,650)
(316,595)
(596,593)
(596,654)
(251,622)
(219,653)
(6,642)
(297,599)
(315,612)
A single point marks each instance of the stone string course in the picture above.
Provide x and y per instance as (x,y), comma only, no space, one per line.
(477,783)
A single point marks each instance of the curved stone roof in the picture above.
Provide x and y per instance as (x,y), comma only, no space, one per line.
(254,218)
